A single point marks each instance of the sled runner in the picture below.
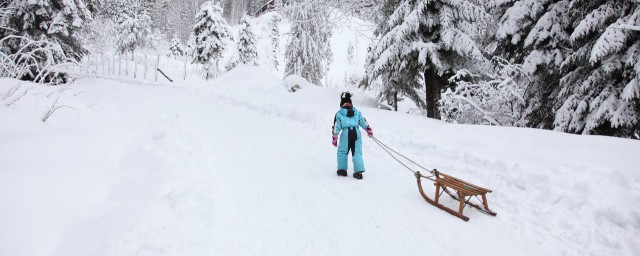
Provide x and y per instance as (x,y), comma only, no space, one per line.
(462,191)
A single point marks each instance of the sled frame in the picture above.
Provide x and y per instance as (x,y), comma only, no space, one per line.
(463,190)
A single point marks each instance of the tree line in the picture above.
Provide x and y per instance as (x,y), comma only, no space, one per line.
(566,65)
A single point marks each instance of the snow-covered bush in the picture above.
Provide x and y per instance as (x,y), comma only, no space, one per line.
(295,82)
(37,61)
(495,99)
(209,37)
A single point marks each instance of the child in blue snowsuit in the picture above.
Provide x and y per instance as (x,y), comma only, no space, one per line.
(345,124)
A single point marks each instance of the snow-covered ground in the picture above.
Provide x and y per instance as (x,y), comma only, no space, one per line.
(240,166)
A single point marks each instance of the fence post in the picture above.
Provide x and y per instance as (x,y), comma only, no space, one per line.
(145,66)
(135,66)
(157,65)
(185,68)
(126,66)
(120,64)
(112,65)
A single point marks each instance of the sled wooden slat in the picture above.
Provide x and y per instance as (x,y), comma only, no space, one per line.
(464,192)
(464,182)
(459,187)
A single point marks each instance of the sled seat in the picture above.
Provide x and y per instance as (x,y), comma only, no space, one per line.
(463,192)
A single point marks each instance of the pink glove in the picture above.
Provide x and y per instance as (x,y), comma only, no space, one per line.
(370,132)
(335,140)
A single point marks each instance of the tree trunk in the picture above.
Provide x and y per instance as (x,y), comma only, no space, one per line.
(395,101)
(146,64)
(135,66)
(126,65)
(432,83)
(119,64)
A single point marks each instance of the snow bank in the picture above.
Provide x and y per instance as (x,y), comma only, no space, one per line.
(294,83)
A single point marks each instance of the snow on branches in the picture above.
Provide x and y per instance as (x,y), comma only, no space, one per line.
(247,49)
(38,35)
(133,28)
(420,41)
(600,88)
(209,36)
(308,51)
(274,35)
(495,99)
(175,47)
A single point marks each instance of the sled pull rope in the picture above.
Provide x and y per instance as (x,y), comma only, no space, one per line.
(389,150)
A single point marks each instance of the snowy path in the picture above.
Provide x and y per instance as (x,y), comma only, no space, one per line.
(201,170)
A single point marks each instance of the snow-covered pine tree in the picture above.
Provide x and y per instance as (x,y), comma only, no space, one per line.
(56,21)
(209,35)
(601,90)
(155,39)
(423,42)
(308,52)
(247,43)
(534,33)
(175,48)
(134,27)
(274,23)
(389,89)
(99,35)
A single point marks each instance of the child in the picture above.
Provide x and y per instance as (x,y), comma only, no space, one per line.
(347,121)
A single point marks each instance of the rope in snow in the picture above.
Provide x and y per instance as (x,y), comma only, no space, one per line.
(389,150)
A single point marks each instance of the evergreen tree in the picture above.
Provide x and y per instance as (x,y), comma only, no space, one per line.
(600,88)
(175,48)
(308,51)
(248,53)
(155,39)
(534,33)
(56,21)
(209,35)
(424,41)
(134,28)
(274,23)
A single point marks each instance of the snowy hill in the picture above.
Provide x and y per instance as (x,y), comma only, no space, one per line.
(240,166)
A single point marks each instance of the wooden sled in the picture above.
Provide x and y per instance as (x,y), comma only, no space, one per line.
(462,190)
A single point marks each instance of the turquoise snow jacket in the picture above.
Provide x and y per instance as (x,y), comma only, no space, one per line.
(342,121)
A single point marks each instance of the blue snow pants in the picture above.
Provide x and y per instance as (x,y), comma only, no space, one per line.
(350,141)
